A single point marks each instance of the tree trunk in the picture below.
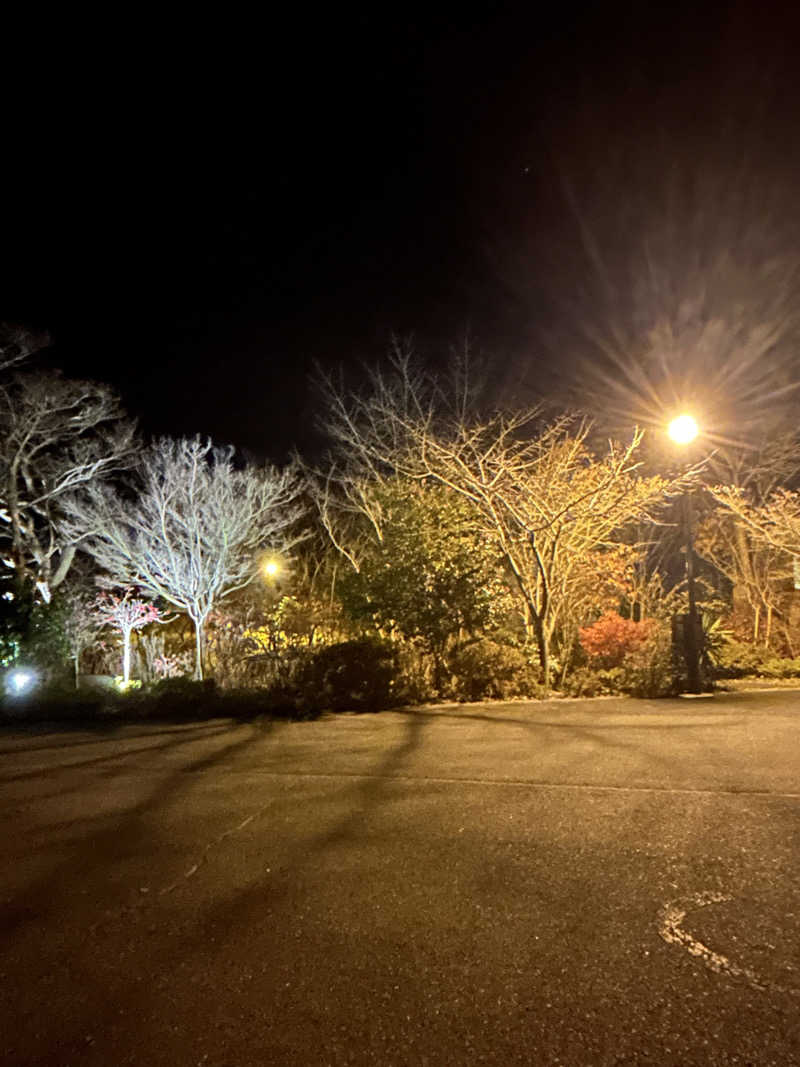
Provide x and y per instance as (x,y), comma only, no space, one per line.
(544,651)
(198,650)
(65,562)
(126,656)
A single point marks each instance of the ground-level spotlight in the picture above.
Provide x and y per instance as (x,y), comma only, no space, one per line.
(19,682)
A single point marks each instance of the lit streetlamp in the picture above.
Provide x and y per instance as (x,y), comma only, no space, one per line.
(683,430)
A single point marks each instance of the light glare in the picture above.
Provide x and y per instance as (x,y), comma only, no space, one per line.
(271,568)
(20,682)
(683,429)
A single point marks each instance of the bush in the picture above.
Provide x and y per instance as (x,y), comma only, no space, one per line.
(485,670)
(634,658)
(351,676)
(648,670)
(608,641)
(183,698)
(55,706)
(737,659)
(586,682)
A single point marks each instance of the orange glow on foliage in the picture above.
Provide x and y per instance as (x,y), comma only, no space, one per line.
(608,641)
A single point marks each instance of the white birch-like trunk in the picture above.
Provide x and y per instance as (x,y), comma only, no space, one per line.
(198,648)
(126,656)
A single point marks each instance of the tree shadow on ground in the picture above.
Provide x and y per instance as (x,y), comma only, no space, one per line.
(108,734)
(123,835)
(560,724)
(366,794)
(211,730)
(604,735)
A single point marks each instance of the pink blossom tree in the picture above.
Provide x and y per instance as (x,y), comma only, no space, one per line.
(125,614)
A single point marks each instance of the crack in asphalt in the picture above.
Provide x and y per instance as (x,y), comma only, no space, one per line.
(146,897)
(209,848)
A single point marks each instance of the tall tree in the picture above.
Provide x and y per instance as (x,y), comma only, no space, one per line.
(79,620)
(191,527)
(17,344)
(543,499)
(426,569)
(57,437)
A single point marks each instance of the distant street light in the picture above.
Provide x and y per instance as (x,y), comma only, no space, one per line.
(271,568)
(683,430)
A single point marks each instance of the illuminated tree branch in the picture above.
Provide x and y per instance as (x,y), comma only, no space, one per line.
(192,528)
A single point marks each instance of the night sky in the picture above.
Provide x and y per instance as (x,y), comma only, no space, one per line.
(197,214)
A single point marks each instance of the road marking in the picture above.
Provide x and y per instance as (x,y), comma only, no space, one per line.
(670,930)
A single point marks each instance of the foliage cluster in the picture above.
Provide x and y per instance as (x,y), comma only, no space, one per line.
(612,639)
(443,550)
(624,656)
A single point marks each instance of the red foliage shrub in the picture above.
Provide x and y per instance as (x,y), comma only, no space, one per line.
(608,641)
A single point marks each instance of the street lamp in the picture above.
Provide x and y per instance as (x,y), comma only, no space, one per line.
(271,568)
(683,430)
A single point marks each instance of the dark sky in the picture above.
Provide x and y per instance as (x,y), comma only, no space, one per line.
(198,213)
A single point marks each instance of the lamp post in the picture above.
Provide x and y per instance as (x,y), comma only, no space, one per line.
(683,431)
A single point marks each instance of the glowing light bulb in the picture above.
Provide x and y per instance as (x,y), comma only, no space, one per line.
(683,429)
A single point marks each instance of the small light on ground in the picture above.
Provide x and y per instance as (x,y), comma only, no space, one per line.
(20,681)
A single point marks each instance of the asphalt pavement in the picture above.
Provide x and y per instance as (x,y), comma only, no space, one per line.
(572,882)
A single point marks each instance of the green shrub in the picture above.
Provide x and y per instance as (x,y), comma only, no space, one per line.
(181,698)
(776,667)
(416,673)
(737,659)
(485,670)
(56,706)
(586,682)
(350,676)
(648,670)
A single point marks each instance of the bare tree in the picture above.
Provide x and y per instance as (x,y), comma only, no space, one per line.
(545,501)
(774,523)
(17,344)
(80,623)
(757,570)
(56,436)
(192,529)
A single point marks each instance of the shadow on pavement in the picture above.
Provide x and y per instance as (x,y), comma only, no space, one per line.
(119,838)
(533,724)
(369,792)
(108,734)
(111,757)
